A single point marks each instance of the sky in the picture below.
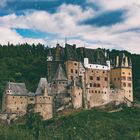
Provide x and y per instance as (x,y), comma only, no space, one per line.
(110,24)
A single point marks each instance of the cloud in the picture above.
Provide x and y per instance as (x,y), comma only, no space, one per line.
(9,35)
(114,4)
(65,23)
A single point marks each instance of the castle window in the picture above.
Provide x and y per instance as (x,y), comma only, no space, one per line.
(129,73)
(129,78)
(124,84)
(114,79)
(103,71)
(71,77)
(21,102)
(95,91)
(17,108)
(15,102)
(20,97)
(76,71)
(75,64)
(90,84)
(63,82)
(129,85)
(99,91)
(123,78)
(98,78)
(105,92)
(31,99)
(59,82)
(92,91)
(71,70)
(123,73)
(98,85)
(118,79)
(13,97)
(129,91)
(91,77)
(94,84)
(106,79)
(129,95)
(79,93)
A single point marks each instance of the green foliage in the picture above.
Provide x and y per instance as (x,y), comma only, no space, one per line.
(89,124)
(22,63)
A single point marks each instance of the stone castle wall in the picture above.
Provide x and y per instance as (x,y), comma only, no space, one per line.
(16,104)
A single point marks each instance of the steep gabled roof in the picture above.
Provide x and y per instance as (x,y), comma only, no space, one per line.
(60,74)
(17,88)
(71,53)
(96,56)
(41,86)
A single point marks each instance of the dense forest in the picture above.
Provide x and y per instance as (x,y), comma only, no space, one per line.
(27,63)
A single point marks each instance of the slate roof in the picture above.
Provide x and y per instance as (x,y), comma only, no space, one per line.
(96,56)
(18,88)
(71,53)
(41,86)
(60,74)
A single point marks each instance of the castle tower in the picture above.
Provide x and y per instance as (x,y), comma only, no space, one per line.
(59,81)
(43,101)
(57,52)
(49,64)
(71,63)
(121,76)
(49,57)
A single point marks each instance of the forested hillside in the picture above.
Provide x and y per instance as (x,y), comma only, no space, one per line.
(27,63)
(83,125)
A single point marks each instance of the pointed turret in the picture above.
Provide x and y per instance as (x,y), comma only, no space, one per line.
(130,62)
(117,61)
(123,60)
(42,86)
(60,74)
(49,57)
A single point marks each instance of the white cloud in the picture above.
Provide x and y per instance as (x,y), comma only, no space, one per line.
(114,4)
(65,23)
(8,35)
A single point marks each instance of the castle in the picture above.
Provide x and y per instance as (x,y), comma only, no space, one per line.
(76,78)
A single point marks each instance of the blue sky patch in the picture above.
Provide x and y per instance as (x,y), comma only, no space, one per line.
(34,33)
(106,19)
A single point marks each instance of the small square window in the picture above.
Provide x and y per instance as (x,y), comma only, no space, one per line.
(91,77)
(98,78)
(71,70)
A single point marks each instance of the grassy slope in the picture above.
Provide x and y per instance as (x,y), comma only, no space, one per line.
(86,125)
